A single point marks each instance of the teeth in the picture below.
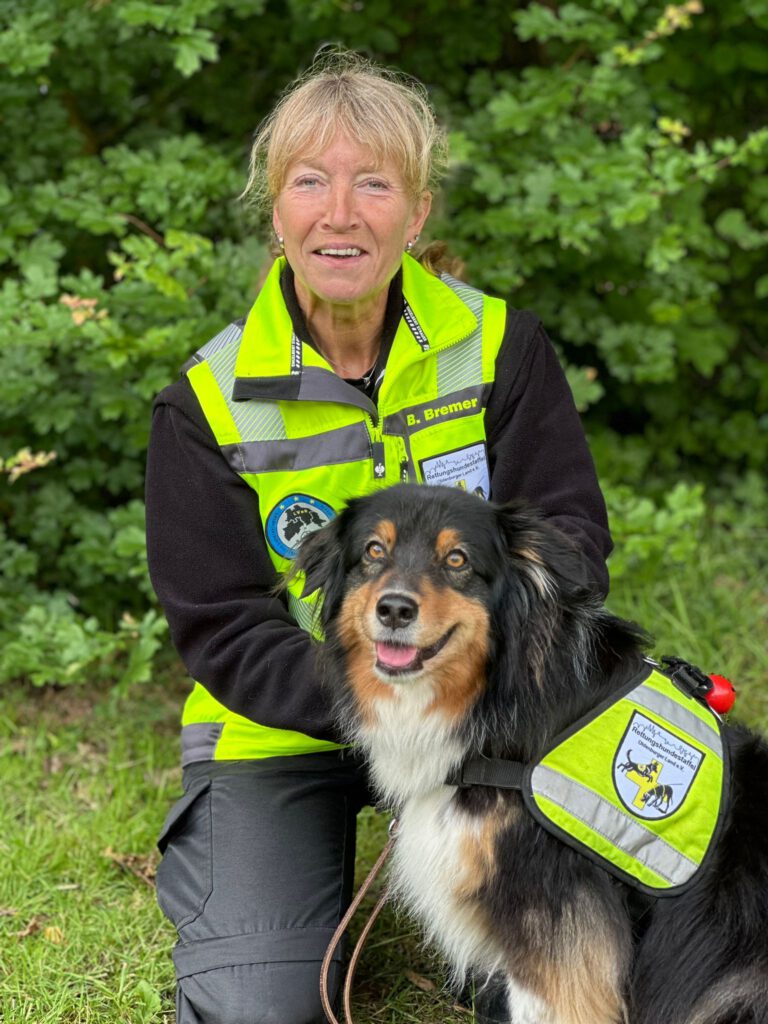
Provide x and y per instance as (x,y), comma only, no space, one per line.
(340,252)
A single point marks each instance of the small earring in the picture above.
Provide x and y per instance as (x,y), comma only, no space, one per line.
(410,245)
(280,242)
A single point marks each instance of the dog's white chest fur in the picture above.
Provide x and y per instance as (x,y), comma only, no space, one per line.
(410,750)
(411,753)
(429,876)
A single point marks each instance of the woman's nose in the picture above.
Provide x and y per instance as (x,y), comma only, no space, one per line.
(341,211)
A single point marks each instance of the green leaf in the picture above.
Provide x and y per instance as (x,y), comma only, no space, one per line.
(192,50)
(732,224)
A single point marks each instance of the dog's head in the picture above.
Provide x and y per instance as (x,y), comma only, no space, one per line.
(433,587)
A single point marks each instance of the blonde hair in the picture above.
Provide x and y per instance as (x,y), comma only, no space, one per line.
(386,111)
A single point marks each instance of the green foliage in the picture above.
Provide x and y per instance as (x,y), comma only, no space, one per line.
(653,535)
(603,174)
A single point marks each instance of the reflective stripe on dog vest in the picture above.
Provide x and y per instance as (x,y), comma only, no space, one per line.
(640,785)
(307,441)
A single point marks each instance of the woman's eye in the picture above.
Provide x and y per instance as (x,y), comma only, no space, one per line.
(375,551)
(456,559)
(377,185)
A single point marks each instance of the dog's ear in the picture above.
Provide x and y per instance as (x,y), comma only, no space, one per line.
(550,558)
(321,559)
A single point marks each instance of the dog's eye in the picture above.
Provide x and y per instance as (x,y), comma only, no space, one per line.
(456,559)
(375,551)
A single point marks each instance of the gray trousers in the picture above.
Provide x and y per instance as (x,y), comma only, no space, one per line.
(257,869)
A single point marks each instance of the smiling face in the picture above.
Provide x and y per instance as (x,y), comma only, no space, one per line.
(345,218)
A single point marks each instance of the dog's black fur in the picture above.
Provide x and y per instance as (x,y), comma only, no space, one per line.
(550,652)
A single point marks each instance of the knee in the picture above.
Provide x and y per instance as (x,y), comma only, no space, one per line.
(263,993)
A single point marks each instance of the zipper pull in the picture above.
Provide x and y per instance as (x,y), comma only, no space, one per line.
(404,471)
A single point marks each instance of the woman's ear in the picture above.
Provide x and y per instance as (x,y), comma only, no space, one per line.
(422,206)
(276,222)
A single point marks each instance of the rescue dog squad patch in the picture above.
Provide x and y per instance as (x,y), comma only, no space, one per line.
(293,519)
(466,468)
(653,769)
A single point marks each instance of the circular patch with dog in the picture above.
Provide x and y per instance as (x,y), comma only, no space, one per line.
(293,519)
(654,769)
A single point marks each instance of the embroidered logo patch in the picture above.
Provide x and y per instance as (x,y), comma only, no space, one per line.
(293,519)
(464,467)
(653,769)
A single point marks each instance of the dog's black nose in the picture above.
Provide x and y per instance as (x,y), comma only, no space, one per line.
(396,611)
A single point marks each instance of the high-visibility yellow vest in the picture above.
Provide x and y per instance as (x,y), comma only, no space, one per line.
(639,785)
(308,441)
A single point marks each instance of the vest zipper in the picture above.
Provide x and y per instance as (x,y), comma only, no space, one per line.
(407,469)
(378,454)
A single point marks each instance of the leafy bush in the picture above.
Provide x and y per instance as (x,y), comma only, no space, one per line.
(603,174)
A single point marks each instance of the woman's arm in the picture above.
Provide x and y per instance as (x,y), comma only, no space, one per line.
(213,576)
(536,444)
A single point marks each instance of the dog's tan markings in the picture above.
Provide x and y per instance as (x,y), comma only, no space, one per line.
(360,662)
(575,965)
(386,531)
(530,556)
(446,541)
(477,848)
(459,670)
(536,571)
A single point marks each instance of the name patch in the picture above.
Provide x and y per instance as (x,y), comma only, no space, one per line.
(448,411)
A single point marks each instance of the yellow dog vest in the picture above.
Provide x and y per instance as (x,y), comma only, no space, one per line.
(638,785)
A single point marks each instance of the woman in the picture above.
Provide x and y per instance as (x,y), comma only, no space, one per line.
(355,369)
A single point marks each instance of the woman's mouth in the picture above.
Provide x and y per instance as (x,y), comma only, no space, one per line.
(335,255)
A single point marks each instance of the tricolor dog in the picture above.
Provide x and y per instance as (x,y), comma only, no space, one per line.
(575,825)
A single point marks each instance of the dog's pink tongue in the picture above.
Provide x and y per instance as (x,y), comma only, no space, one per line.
(395,656)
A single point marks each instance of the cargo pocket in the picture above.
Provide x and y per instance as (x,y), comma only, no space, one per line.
(185,875)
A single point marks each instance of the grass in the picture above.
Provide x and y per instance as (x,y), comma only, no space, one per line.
(87,779)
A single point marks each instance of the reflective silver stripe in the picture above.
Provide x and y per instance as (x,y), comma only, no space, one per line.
(685,720)
(462,363)
(466,402)
(233,332)
(198,741)
(302,612)
(252,419)
(347,444)
(470,296)
(603,818)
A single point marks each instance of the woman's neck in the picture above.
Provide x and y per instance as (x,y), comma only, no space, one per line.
(348,336)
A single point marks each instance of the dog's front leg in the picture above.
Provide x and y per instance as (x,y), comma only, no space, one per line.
(574,975)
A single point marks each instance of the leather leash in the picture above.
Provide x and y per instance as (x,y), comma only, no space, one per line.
(344,924)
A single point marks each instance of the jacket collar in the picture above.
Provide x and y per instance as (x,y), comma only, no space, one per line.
(274,363)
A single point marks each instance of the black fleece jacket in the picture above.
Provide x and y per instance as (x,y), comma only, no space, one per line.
(208,558)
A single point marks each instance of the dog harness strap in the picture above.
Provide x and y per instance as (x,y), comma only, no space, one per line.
(489,771)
